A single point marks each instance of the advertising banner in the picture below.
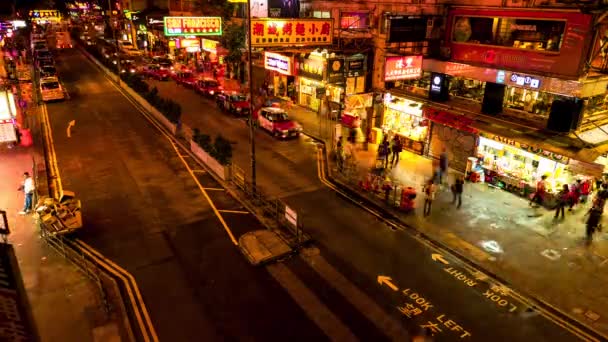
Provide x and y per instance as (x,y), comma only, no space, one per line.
(278,63)
(550,42)
(210,45)
(281,32)
(402,68)
(190,44)
(335,73)
(193,26)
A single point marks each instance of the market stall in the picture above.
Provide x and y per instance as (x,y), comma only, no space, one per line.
(404,117)
(517,167)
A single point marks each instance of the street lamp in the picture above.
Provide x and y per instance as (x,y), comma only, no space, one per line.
(250,82)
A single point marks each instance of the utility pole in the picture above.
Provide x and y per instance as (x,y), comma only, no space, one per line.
(251,108)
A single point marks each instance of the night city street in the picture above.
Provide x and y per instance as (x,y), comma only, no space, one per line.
(144,212)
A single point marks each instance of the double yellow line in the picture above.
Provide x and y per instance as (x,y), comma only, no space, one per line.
(135,299)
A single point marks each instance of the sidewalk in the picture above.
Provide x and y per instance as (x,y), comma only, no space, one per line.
(498,230)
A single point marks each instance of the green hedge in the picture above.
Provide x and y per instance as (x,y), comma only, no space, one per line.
(169,108)
(220,149)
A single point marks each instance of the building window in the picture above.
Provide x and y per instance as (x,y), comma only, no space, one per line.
(530,101)
(467,88)
(530,34)
(354,20)
(321,14)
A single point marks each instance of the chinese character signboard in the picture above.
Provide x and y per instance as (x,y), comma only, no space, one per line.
(193,26)
(278,63)
(281,32)
(312,68)
(190,44)
(402,68)
(210,45)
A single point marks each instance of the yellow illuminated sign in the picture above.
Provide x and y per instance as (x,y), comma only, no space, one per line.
(277,32)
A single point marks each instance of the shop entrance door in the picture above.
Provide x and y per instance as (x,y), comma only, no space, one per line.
(458,144)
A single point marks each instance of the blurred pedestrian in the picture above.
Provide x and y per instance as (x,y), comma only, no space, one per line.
(340,154)
(396,148)
(593,222)
(28,188)
(383,152)
(585,190)
(457,190)
(539,194)
(429,196)
(562,199)
(443,164)
(575,194)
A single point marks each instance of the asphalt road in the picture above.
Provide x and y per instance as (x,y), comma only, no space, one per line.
(143,210)
(363,248)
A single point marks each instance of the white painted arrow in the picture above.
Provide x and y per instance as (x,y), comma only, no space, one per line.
(69,129)
(387,281)
(439,257)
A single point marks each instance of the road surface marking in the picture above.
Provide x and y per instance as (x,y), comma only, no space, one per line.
(439,257)
(69,129)
(55,177)
(199,171)
(188,168)
(234,211)
(134,298)
(215,189)
(361,301)
(480,255)
(326,320)
(384,280)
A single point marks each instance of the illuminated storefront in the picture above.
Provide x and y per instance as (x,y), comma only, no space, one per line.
(517,167)
(311,75)
(280,68)
(404,118)
(8,113)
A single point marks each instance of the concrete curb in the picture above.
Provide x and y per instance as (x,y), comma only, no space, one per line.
(389,217)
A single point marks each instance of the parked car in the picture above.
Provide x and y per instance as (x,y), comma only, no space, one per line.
(234,103)
(156,72)
(186,78)
(47,71)
(208,87)
(51,89)
(277,122)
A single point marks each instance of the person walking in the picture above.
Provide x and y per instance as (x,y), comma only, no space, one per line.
(593,222)
(429,196)
(457,190)
(340,154)
(539,194)
(562,200)
(443,164)
(575,194)
(396,148)
(383,151)
(28,188)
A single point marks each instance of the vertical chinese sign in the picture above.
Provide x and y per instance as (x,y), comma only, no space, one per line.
(279,32)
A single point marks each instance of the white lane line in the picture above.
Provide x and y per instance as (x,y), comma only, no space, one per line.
(326,320)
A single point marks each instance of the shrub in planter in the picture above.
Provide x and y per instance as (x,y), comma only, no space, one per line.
(223,150)
(204,141)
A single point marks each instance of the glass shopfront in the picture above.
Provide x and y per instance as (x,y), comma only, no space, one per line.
(467,88)
(308,93)
(404,118)
(530,101)
(419,86)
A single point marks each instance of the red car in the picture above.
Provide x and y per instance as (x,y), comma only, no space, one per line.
(155,71)
(277,122)
(208,87)
(233,102)
(185,78)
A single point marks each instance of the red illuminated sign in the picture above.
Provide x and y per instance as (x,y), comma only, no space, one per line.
(402,68)
(565,60)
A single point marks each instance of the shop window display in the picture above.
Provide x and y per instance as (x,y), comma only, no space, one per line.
(596,105)
(530,34)
(467,88)
(418,86)
(530,101)
(404,118)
